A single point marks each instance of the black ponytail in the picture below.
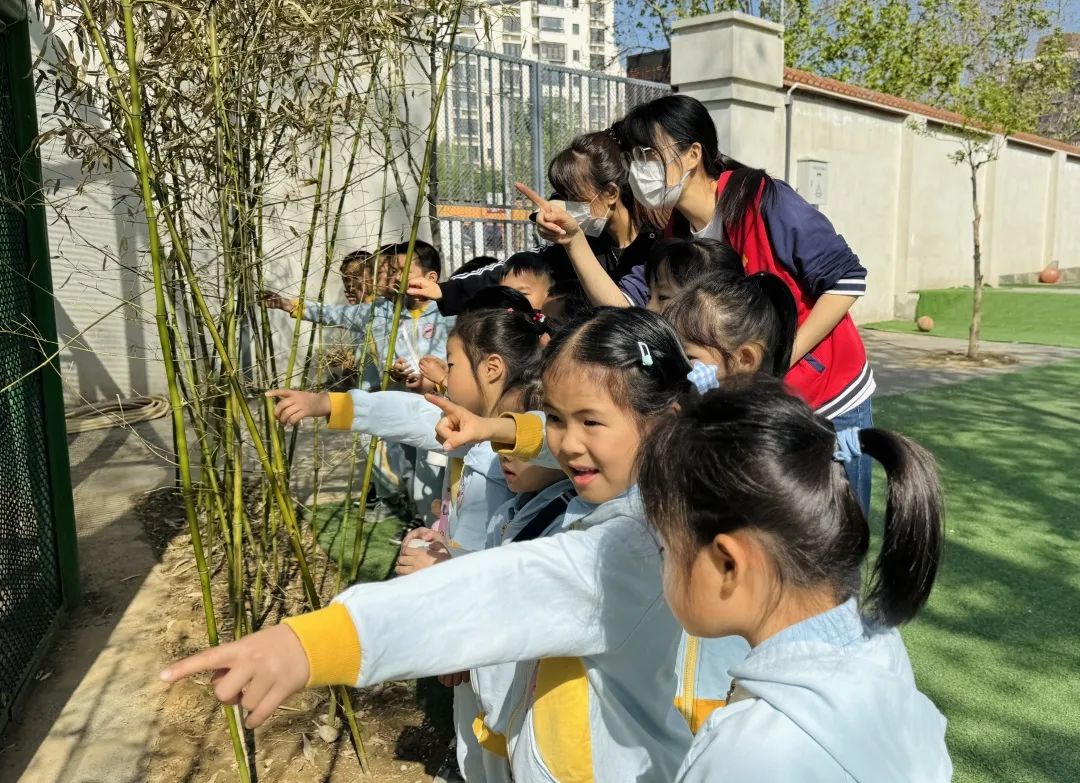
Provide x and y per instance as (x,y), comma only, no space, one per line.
(722,311)
(752,457)
(910,555)
(685,120)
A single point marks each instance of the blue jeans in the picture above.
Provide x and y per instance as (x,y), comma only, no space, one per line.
(859,470)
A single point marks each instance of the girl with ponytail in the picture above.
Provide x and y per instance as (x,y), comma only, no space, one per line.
(677,171)
(764,540)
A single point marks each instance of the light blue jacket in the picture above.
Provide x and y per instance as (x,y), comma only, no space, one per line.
(586,607)
(829,700)
(427,334)
(407,418)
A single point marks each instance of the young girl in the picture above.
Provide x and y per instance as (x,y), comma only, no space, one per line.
(675,264)
(675,164)
(763,538)
(590,176)
(583,608)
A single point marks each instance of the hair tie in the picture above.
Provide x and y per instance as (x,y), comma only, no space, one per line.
(703,377)
(538,317)
(848,446)
(646,354)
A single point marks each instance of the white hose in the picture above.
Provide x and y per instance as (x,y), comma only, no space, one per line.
(117,413)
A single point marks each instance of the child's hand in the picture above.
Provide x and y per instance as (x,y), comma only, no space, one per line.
(434,369)
(425,534)
(401,370)
(461,427)
(258,672)
(276,301)
(424,288)
(553,222)
(418,554)
(420,384)
(294,405)
(451,680)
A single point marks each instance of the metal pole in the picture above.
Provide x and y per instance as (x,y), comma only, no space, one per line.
(538,129)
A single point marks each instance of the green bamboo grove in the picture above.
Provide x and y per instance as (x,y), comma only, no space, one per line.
(212,110)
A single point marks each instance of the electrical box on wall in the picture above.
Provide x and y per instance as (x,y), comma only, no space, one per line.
(812,181)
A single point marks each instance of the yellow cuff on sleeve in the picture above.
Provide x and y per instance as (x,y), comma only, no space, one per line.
(296,309)
(529,440)
(341,411)
(329,639)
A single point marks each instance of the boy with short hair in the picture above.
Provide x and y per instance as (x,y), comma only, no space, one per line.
(529,274)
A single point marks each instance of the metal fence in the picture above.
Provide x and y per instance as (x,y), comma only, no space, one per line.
(38,569)
(503,119)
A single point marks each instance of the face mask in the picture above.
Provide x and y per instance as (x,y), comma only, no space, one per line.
(581,212)
(648,181)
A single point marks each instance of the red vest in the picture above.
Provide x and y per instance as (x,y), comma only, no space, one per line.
(835,365)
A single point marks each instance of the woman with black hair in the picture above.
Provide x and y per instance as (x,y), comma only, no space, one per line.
(590,181)
(674,164)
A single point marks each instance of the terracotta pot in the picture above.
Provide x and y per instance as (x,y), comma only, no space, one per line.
(1051,274)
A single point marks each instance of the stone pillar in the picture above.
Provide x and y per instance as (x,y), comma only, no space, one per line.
(734,64)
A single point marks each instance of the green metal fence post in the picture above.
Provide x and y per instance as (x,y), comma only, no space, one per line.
(16,39)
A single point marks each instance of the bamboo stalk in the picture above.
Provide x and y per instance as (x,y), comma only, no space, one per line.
(165,338)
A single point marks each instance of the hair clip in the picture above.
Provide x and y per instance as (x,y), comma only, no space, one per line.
(703,377)
(646,354)
(539,317)
(848,446)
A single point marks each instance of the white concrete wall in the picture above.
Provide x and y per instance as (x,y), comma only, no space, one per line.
(893,192)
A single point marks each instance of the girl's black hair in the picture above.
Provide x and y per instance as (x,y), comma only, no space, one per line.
(752,457)
(613,343)
(686,260)
(355,257)
(723,311)
(592,162)
(686,120)
(512,333)
(499,297)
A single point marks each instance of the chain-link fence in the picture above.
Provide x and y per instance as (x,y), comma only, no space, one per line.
(503,119)
(35,524)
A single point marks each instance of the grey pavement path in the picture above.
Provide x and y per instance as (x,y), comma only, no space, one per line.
(908,362)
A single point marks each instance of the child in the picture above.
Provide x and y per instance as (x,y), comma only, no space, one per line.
(582,609)
(529,274)
(764,538)
(537,509)
(675,264)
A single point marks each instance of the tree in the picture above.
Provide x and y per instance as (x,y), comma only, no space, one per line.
(1001,91)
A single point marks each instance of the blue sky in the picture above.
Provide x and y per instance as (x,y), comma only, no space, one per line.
(630,39)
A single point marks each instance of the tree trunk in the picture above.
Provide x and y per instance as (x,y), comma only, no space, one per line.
(976,257)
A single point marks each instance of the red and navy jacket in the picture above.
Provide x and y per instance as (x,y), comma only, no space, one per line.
(786,236)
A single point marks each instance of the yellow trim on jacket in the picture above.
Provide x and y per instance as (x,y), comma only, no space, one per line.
(560,720)
(529,440)
(341,411)
(331,644)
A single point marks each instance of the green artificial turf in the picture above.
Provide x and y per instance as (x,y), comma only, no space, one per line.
(1009,316)
(998,646)
(377,551)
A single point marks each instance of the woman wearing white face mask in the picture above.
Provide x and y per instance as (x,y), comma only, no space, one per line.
(677,171)
(596,228)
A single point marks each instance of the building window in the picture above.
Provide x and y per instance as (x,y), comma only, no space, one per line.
(549,78)
(596,11)
(577,29)
(576,3)
(597,62)
(553,53)
(514,50)
(551,24)
(512,24)
(577,56)
(468,18)
(555,3)
(596,36)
